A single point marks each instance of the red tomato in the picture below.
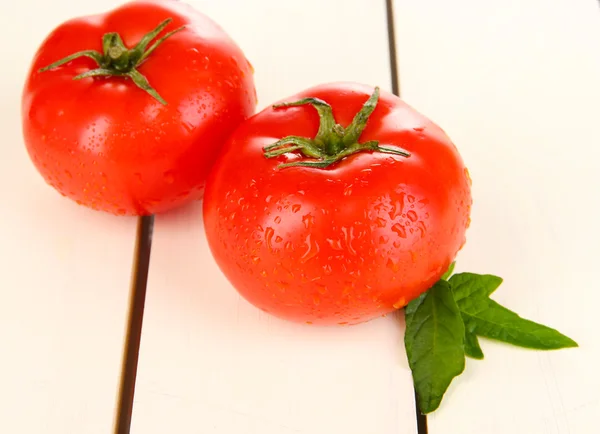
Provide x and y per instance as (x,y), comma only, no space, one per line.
(345,227)
(138,132)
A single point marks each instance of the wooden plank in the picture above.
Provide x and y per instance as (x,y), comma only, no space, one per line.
(210,362)
(65,269)
(515,84)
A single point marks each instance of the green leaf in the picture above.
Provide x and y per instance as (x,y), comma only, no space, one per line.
(497,322)
(448,272)
(469,285)
(484,317)
(434,343)
(472,348)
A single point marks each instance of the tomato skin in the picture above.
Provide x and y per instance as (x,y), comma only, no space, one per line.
(106,143)
(348,243)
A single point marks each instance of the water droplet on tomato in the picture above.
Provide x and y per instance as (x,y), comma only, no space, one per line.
(255,259)
(296,208)
(335,244)
(327,269)
(400,303)
(468,176)
(392,265)
(316,300)
(399,230)
(410,199)
(278,239)
(397,207)
(422,229)
(269,232)
(381,222)
(308,220)
(383,239)
(348,190)
(277,220)
(68,174)
(412,216)
(311,251)
(263,273)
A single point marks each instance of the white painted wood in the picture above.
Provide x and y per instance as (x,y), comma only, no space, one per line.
(65,270)
(516,84)
(209,361)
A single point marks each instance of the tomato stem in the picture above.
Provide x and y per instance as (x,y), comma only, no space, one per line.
(119,61)
(332,142)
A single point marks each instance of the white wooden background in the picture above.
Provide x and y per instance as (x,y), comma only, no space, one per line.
(516,84)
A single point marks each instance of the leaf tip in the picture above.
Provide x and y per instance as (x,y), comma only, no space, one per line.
(570,343)
(476,356)
(428,406)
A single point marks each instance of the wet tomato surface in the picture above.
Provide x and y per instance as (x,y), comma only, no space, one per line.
(336,215)
(125,112)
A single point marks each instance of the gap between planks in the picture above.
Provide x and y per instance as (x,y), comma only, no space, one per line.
(135,318)
(395,80)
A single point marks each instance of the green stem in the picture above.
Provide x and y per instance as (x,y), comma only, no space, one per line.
(308,147)
(326,119)
(154,46)
(97,57)
(142,83)
(117,60)
(332,142)
(355,129)
(93,73)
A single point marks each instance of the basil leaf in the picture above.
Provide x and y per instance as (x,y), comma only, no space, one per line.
(471,285)
(489,319)
(434,341)
(497,322)
(472,348)
(448,272)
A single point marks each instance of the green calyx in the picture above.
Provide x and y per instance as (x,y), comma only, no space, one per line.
(119,61)
(332,142)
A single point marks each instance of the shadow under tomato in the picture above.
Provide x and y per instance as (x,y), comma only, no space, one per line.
(188,293)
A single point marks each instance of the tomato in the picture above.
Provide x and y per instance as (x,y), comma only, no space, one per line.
(337,207)
(133,126)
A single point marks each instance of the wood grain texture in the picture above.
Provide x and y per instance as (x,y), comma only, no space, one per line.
(65,269)
(212,363)
(515,84)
